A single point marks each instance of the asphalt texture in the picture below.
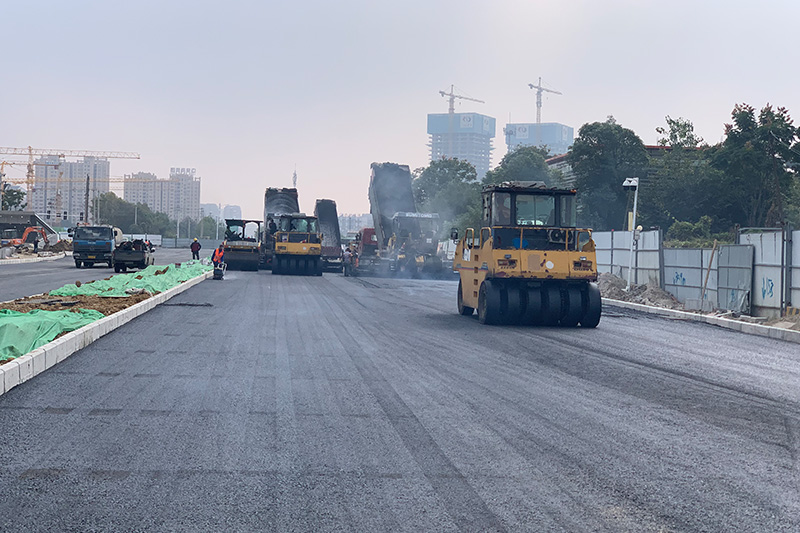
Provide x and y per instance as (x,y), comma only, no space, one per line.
(284,403)
(26,279)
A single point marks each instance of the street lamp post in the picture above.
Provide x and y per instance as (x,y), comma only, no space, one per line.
(632,183)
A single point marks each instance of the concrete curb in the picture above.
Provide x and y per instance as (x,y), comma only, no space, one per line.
(34,363)
(32,259)
(787,335)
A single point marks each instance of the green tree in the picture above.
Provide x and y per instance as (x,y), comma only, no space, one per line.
(13,199)
(680,170)
(602,157)
(524,163)
(758,161)
(450,188)
(108,208)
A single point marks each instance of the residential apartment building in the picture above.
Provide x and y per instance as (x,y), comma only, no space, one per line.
(60,188)
(178,197)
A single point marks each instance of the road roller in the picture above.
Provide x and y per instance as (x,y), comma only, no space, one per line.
(529,264)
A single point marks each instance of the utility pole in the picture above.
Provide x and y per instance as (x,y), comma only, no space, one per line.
(86,201)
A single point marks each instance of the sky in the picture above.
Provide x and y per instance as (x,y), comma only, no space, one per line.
(248,91)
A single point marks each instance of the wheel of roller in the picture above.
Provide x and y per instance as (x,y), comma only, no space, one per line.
(573,302)
(512,314)
(532,314)
(463,309)
(276,265)
(319,267)
(488,303)
(551,305)
(592,306)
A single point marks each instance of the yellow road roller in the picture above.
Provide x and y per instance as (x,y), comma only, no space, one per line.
(530,263)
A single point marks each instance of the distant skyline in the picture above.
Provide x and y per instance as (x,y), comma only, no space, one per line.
(246,91)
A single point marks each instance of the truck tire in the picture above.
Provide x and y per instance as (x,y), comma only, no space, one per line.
(77,264)
(117,268)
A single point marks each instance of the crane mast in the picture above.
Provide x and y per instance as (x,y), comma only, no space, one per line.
(539,91)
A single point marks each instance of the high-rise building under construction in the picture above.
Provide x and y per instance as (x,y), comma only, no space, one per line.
(466,136)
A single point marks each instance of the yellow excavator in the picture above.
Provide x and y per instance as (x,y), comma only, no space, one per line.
(530,263)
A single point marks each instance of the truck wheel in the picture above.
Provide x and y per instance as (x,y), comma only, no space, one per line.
(489,303)
(88,265)
(593,306)
(110,264)
(117,268)
(463,309)
(124,268)
(77,264)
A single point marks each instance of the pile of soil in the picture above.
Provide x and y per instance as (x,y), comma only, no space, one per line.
(786,322)
(61,246)
(107,306)
(613,287)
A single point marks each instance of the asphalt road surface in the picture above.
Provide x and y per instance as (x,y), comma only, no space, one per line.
(26,279)
(344,404)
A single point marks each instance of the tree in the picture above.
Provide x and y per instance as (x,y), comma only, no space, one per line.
(108,208)
(13,199)
(450,188)
(758,161)
(681,170)
(602,157)
(524,163)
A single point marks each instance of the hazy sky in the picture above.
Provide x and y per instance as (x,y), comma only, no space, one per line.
(246,91)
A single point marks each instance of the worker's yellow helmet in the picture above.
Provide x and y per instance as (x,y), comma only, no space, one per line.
(195,238)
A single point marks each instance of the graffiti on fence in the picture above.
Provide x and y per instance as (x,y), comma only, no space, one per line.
(679,279)
(767,288)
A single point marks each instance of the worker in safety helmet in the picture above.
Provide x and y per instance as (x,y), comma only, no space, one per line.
(218,257)
(195,247)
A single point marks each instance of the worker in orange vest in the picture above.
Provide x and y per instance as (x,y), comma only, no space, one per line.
(218,256)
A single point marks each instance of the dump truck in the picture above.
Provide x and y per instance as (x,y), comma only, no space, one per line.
(94,244)
(407,240)
(132,254)
(277,201)
(243,244)
(298,245)
(530,263)
(325,211)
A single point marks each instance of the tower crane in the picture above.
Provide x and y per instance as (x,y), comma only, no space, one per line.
(539,91)
(451,111)
(452,96)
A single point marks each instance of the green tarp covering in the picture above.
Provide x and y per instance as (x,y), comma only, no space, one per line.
(150,281)
(22,332)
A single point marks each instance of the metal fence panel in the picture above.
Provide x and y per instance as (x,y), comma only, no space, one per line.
(794,295)
(735,277)
(768,248)
(686,271)
(613,255)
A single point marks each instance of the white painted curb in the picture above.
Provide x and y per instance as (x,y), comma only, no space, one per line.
(788,335)
(32,259)
(34,363)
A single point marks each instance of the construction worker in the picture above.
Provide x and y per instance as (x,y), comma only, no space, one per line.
(347,264)
(218,257)
(195,247)
(272,226)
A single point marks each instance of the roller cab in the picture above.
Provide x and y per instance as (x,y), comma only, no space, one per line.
(297,245)
(529,263)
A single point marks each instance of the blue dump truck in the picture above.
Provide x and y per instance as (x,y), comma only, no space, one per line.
(94,244)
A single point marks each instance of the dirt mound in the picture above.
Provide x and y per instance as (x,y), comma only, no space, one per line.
(61,246)
(107,306)
(613,287)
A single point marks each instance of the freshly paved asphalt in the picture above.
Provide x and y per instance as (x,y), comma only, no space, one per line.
(341,404)
(26,279)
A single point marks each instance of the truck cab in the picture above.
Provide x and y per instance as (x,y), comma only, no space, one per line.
(94,244)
